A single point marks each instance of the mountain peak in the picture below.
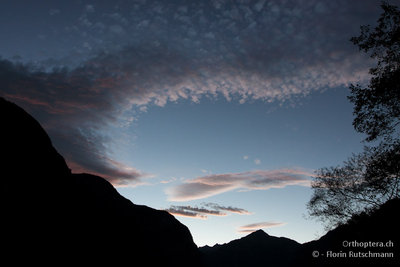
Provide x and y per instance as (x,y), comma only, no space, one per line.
(271,251)
(259,233)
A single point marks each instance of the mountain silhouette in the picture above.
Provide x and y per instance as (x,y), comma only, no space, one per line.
(255,249)
(367,239)
(51,216)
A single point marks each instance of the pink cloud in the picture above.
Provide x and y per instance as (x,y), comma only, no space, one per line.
(249,228)
(117,173)
(210,185)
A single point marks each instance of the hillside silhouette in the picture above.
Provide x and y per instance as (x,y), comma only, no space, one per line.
(51,216)
(364,239)
(255,249)
(367,239)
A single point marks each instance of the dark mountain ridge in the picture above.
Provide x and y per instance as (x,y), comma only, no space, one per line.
(367,239)
(51,216)
(255,249)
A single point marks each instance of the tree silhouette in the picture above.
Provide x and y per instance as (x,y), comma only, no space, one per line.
(377,106)
(367,180)
(363,183)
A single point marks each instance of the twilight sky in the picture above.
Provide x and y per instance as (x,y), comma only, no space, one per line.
(217,111)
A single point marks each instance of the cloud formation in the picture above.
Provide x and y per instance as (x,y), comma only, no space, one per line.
(129,56)
(210,185)
(73,110)
(205,210)
(228,208)
(249,228)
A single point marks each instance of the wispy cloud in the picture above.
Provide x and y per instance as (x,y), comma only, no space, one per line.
(194,212)
(249,228)
(210,185)
(172,179)
(205,210)
(226,208)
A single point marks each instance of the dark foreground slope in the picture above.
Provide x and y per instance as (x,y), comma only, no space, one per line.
(368,239)
(50,216)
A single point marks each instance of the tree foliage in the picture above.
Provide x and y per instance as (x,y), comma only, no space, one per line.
(377,106)
(369,179)
(364,182)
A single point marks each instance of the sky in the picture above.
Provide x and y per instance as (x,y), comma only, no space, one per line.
(217,111)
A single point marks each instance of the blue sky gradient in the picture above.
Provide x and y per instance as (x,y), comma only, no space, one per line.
(189,140)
